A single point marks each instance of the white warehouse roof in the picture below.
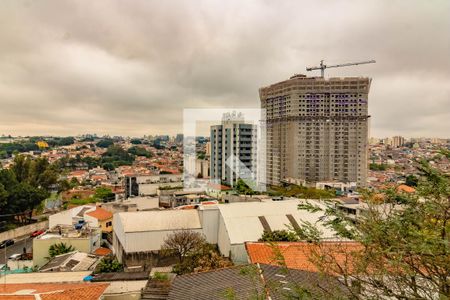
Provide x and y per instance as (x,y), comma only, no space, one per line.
(141,221)
(243,223)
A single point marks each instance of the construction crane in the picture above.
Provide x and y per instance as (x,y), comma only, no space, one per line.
(322,66)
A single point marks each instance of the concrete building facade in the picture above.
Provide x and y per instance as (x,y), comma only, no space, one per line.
(317,129)
(233,141)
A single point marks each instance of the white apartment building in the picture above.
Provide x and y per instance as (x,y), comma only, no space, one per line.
(233,150)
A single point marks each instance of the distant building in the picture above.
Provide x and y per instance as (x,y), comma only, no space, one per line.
(84,239)
(202,168)
(398,141)
(317,129)
(233,150)
(147,185)
(179,138)
(138,236)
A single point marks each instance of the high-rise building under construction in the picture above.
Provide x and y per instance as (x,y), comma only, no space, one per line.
(317,129)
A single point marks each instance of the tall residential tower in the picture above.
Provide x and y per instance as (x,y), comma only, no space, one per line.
(317,129)
(233,150)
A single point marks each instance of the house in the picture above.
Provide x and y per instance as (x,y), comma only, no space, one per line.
(300,255)
(217,190)
(132,204)
(139,235)
(49,291)
(215,285)
(84,239)
(71,216)
(253,282)
(243,222)
(72,261)
(100,218)
(79,175)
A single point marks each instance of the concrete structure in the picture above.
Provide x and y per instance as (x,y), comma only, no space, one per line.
(317,129)
(132,204)
(398,141)
(149,184)
(233,138)
(71,262)
(246,222)
(100,218)
(139,235)
(202,168)
(71,216)
(84,240)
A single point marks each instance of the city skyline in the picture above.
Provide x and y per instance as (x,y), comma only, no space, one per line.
(69,67)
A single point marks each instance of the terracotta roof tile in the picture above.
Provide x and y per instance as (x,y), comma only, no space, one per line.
(406,189)
(102,251)
(100,214)
(298,255)
(53,291)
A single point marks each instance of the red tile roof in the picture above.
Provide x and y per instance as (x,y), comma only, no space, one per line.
(102,251)
(100,214)
(299,255)
(219,187)
(53,291)
(405,188)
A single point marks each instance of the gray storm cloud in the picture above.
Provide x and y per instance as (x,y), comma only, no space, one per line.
(130,67)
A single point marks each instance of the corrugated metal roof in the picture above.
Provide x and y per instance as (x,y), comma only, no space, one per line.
(159,220)
(243,223)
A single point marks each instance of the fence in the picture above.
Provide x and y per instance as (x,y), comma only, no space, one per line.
(22,231)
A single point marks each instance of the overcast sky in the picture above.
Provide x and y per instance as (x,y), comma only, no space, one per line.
(131,67)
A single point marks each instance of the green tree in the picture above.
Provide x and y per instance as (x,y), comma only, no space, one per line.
(105,143)
(109,264)
(412,180)
(405,250)
(279,236)
(378,167)
(59,248)
(104,194)
(3,197)
(136,141)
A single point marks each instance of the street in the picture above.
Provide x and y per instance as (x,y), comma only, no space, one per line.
(16,248)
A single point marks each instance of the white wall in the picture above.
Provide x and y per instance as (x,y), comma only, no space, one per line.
(239,254)
(209,219)
(23,230)
(61,218)
(93,222)
(147,241)
(223,240)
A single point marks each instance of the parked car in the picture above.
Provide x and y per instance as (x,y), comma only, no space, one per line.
(6,243)
(16,256)
(37,233)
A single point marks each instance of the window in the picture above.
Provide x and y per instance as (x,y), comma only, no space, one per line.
(108,224)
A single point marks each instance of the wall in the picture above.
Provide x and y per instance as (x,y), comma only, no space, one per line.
(40,246)
(223,240)
(209,219)
(147,240)
(22,231)
(19,264)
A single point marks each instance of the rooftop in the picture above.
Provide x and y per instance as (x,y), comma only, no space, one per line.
(100,214)
(159,220)
(298,255)
(246,221)
(50,291)
(214,285)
